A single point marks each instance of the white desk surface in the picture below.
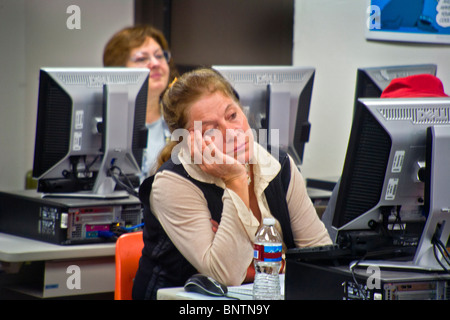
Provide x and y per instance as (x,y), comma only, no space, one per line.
(19,249)
(178,293)
(242,292)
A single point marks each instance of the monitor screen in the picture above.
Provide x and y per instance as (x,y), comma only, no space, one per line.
(384,178)
(276,101)
(90,130)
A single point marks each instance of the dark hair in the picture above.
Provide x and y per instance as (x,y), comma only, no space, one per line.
(117,50)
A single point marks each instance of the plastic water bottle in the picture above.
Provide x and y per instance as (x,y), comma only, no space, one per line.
(267,261)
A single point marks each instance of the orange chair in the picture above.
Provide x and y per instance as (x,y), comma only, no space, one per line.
(128,251)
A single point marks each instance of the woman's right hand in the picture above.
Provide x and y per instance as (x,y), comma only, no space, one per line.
(213,161)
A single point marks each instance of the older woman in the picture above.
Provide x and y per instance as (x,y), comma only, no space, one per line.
(218,174)
(145,47)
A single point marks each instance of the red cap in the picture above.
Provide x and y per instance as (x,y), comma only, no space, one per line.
(415,86)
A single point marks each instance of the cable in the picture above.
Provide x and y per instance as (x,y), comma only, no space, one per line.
(88,166)
(398,219)
(359,287)
(437,244)
(128,187)
(441,244)
(132,227)
(443,251)
(106,234)
(437,258)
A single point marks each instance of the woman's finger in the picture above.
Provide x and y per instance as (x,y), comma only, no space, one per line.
(215,225)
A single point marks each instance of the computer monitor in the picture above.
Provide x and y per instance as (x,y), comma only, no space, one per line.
(90,131)
(276,101)
(371,81)
(394,189)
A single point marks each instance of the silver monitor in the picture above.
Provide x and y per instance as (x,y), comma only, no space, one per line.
(395,182)
(276,101)
(371,81)
(90,131)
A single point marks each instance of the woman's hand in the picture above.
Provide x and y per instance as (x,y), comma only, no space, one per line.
(213,161)
(215,225)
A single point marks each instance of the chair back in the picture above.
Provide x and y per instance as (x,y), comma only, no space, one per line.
(128,252)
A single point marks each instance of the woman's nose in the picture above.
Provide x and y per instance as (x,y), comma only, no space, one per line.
(234,135)
(153,62)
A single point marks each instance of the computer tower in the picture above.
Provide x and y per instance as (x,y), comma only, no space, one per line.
(66,221)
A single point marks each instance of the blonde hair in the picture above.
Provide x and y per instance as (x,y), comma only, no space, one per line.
(185,91)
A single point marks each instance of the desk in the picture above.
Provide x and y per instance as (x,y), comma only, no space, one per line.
(318,194)
(20,258)
(178,293)
(242,292)
(322,183)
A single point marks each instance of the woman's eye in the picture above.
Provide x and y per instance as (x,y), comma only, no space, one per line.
(141,59)
(232,116)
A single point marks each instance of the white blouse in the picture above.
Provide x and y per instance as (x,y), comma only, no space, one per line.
(182,209)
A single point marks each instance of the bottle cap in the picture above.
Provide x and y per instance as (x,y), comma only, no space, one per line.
(269,221)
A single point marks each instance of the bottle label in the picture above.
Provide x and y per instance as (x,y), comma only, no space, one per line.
(267,253)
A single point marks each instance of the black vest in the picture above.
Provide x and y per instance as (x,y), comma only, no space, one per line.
(161,264)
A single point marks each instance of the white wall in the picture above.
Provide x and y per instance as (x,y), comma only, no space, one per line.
(329,35)
(12,92)
(34,34)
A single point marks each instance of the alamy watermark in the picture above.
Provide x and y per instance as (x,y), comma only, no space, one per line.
(73,22)
(373,17)
(356,289)
(74,279)
(233,146)
(374,279)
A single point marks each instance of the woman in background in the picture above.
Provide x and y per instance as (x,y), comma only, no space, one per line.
(146,47)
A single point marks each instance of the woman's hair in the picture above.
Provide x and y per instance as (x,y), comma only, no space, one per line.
(185,91)
(118,48)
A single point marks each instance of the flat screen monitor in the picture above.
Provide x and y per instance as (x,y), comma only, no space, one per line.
(371,81)
(90,130)
(276,101)
(385,196)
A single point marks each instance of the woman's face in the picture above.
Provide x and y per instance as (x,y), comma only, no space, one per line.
(150,55)
(221,118)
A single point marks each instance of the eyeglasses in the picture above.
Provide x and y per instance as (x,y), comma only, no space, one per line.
(143,59)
